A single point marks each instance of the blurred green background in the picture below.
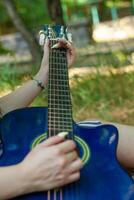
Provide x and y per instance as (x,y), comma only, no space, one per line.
(102,78)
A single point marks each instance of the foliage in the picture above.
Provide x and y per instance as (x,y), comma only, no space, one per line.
(33,13)
(4,50)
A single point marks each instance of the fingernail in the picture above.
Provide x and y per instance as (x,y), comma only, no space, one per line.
(55,46)
(63,134)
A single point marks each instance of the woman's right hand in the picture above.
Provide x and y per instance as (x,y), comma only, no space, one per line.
(51,164)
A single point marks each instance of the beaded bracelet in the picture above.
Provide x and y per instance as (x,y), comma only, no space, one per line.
(39,83)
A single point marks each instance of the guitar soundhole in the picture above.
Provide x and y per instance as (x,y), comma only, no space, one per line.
(83,147)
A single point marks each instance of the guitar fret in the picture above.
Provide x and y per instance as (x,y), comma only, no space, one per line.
(63,75)
(60,112)
(58,130)
(60,95)
(58,100)
(64,117)
(61,126)
(57,90)
(60,105)
(67,95)
(58,73)
(56,51)
(59,109)
(57,68)
(60,118)
(57,79)
(62,61)
(52,84)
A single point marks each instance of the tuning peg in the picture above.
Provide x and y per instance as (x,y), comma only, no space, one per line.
(69,36)
(62,35)
(42,37)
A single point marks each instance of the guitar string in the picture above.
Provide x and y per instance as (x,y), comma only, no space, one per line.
(49,100)
(54,120)
(52,63)
(74,185)
(65,118)
(58,124)
(49,120)
(65,68)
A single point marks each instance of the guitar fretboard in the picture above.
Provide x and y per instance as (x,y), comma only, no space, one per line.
(59,101)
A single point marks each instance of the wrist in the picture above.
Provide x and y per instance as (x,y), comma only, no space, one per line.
(22,180)
(42,76)
(29,183)
(13,177)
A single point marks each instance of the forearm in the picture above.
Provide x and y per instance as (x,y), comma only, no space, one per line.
(125,148)
(22,96)
(11,182)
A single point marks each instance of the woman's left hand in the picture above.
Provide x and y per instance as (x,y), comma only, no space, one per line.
(63,43)
(44,69)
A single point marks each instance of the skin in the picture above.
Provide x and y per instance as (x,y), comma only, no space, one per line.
(60,164)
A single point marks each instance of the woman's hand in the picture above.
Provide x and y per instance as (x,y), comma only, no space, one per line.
(44,69)
(71,54)
(51,164)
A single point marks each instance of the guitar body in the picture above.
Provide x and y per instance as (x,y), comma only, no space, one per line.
(102,178)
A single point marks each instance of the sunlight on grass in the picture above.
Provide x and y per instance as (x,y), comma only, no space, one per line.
(103,96)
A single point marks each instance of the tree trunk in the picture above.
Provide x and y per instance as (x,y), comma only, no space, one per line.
(55,11)
(26,34)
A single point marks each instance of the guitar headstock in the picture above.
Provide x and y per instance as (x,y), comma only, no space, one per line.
(54,32)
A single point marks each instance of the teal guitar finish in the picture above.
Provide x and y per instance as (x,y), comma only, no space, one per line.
(102,178)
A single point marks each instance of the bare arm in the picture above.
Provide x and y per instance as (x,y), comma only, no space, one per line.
(24,95)
(125,148)
(11,182)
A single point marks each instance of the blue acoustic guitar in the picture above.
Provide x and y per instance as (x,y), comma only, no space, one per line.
(102,177)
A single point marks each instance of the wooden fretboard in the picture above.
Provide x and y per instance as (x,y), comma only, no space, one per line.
(59,101)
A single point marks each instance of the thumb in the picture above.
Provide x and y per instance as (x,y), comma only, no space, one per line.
(54,140)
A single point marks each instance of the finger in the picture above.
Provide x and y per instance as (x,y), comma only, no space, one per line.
(56,46)
(52,141)
(67,146)
(46,44)
(66,44)
(71,156)
(62,43)
(73,177)
(75,166)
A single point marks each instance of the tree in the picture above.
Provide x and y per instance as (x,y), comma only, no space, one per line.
(55,11)
(26,33)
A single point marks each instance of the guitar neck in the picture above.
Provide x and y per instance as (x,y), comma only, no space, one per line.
(59,101)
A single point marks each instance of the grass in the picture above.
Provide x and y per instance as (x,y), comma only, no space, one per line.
(94,96)
(106,98)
